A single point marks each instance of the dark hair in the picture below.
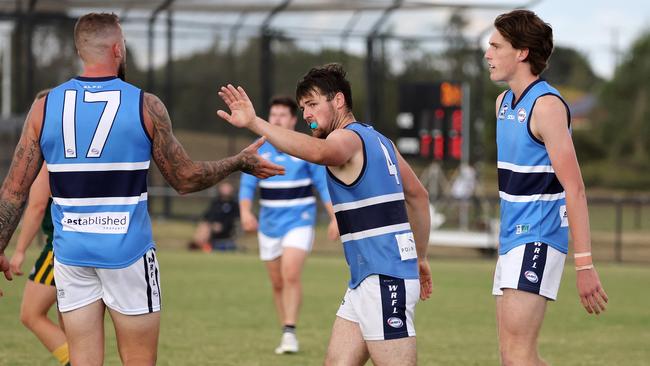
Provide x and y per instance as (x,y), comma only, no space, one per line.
(525,30)
(287,102)
(328,80)
(94,23)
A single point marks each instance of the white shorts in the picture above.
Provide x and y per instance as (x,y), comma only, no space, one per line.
(132,290)
(383,306)
(300,237)
(533,267)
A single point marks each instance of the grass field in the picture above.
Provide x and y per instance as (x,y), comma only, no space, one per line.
(217,310)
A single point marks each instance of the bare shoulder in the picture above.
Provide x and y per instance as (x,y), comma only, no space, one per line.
(151,98)
(345,140)
(342,133)
(154,106)
(155,114)
(549,118)
(499,100)
(35,116)
(550,109)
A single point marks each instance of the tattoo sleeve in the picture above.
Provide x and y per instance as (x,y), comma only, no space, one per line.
(25,166)
(174,163)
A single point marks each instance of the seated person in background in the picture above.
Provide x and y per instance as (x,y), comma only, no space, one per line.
(216,229)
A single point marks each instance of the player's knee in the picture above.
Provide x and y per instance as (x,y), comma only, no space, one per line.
(277,285)
(291,278)
(28,318)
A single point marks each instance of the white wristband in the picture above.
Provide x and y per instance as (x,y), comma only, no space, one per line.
(582,268)
(582,255)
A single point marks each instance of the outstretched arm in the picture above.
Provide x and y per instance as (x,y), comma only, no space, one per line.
(39,195)
(336,150)
(24,168)
(186,175)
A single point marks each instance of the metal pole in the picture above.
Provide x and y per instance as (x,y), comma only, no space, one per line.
(467,128)
(345,36)
(372,78)
(29,53)
(618,243)
(371,94)
(151,76)
(6,71)
(150,43)
(169,88)
(266,56)
(18,55)
(232,68)
(150,46)
(169,69)
(266,70)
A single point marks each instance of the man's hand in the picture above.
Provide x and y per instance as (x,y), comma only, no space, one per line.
(333,230)
(254,164)
(248,222)
(4,267)
(591,292)
(242,112)
(426,284)
(16,262)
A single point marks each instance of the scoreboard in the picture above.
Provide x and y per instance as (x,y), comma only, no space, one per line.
(430,120)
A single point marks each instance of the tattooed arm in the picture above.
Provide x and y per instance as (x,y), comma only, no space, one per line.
(25,165)
(185,175)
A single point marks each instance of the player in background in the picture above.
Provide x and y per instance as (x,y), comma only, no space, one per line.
(97,134)
(287,219)
(40,292)
(382,211)
(540,186)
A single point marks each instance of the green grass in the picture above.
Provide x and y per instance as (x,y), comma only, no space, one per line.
(217,310)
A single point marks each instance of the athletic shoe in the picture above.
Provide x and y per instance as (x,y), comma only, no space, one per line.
(289,344)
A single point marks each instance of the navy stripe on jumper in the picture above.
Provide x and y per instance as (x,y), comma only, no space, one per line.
(286,193)
(525,184)
(371,217)
(115,183)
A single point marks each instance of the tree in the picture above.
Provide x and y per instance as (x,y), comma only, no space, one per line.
(569,67)
(622,118)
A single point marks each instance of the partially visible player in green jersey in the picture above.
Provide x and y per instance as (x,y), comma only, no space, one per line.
(40,293)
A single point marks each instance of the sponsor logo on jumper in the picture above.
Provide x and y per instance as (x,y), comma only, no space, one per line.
(502,112)
(521,115)
(522,229)
(406,246)
(564,216)
(96,222)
